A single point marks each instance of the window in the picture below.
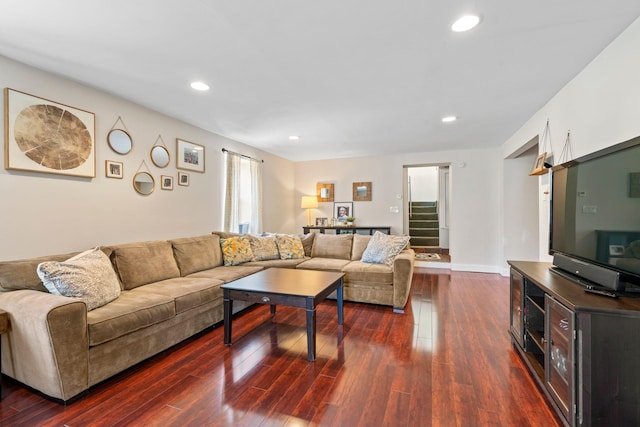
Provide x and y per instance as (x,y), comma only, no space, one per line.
(243,194)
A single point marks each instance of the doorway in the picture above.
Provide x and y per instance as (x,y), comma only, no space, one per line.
(427,209)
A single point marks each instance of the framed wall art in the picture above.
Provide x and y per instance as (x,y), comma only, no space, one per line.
(166,182)
(362,191)
(342,210)
(183,179)
(189,156)
(49,137)
(324,192)
(113,169)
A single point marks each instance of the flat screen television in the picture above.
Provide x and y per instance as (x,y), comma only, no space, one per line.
(595,211)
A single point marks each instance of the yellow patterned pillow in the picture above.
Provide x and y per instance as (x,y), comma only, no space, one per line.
(236,250)
(290,247)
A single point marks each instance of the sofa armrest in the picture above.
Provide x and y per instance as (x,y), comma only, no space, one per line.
(47,345)
(402,277)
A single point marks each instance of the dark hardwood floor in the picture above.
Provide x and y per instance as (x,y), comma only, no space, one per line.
(447,361)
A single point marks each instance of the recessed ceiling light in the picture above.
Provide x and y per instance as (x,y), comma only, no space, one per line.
(465,23)
(294,137)
(201,86)
(449,119)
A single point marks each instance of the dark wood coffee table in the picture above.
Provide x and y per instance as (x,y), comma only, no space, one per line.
(285,286)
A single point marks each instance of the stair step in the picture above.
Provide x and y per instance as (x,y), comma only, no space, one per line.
(424,203)
(423,223)
(424,241)
(424,232)
(424,209)
(429,216)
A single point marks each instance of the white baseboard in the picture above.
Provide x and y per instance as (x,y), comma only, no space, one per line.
(431,264)
(476,268)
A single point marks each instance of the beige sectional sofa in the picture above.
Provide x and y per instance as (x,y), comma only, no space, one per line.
(169,290)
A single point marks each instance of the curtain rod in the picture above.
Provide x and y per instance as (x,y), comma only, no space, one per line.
(241,155)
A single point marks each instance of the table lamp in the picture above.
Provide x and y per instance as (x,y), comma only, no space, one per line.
(308,203)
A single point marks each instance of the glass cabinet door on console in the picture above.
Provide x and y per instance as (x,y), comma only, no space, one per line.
(517,307)
(559,353)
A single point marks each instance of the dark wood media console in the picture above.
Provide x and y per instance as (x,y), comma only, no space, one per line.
(583,350)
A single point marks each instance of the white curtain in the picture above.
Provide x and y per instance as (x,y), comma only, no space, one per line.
(232,193)
(255,226)
(233,190)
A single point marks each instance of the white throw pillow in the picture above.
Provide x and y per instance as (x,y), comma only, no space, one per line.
(383,248)
(88,276)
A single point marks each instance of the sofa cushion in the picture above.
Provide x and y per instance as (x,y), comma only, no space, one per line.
(307,242)
(326,264)
(264,248)
(383,248)
(23,274)
(130,312)
(88,276)
(194,254)
(236,250)
(332,246)
(290,247)
(280,263)
(227,274)
(363,272)
(144,262)
(187,292)
(360,243)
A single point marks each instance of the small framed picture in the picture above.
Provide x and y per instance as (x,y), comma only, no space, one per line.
(322,222)
(166,182)
(616,250)
(183,179)
(189,156)
(342,210)
(114,169)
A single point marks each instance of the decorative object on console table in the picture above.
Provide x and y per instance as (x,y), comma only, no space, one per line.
(350,220)
(31,144)
(322,222)
(308,203)
(341,210)
(189,156)
(324,192)
(362,191)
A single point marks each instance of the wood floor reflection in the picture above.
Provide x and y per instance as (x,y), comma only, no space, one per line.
(447,361)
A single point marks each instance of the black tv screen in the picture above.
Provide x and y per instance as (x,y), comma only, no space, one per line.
(595,209)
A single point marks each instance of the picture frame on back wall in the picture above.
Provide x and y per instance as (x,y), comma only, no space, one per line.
(189,156)
(32,144)
(113,169)
(341,210)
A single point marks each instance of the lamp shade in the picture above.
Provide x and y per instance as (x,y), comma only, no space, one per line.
(309,202)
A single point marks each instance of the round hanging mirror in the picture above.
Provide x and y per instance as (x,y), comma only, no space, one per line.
(119,141)
(160,156)
(143,183)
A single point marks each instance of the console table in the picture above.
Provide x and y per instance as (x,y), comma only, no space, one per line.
(347,229)
(581,349)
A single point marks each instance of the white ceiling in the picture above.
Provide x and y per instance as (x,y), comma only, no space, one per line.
(351,77)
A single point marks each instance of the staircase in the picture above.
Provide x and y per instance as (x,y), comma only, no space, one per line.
(424,227)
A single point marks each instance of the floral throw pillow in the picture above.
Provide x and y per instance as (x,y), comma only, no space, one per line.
(290,247)
(264,248)
(236,250)
(383,248)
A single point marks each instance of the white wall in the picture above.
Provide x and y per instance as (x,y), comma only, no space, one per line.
(424,183)
(43,214)
(599,106)
(475,201)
